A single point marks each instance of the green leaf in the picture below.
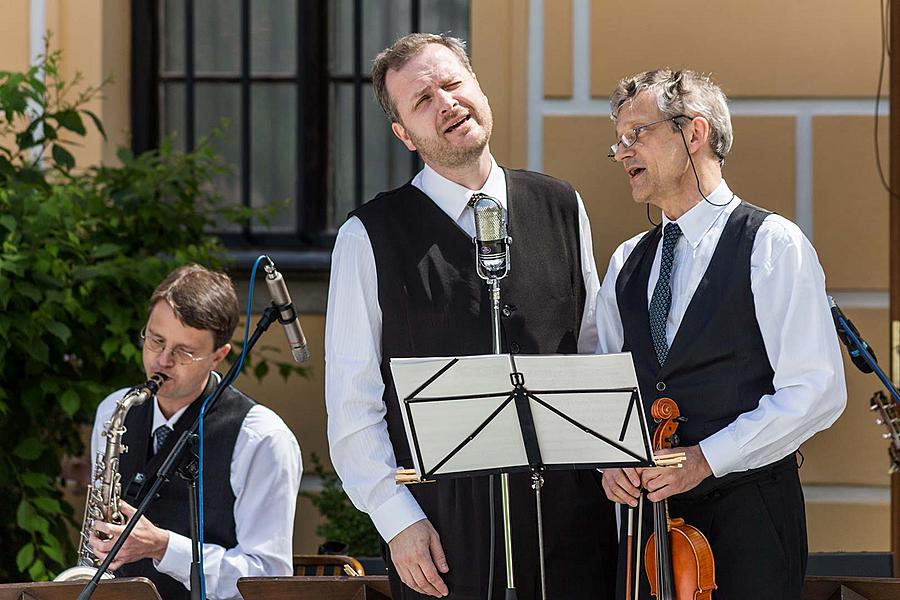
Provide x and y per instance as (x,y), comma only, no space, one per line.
(25,516)
(60,330)
(109,346)
(97,123)
(37,571)
(54,553)
(47,505)
(106,250)
(260,370)
(38,350)
(70,401)
(25,556)
(8,222)
(35,481)
(71,120)
(63,157)
(29,448)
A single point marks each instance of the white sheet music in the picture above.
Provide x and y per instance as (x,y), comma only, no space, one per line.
(444,406)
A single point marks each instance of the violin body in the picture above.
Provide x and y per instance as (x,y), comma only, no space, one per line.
(692,562)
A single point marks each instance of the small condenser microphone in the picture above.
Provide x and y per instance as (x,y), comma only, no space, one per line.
(287,316)
(491,240)
(855,355)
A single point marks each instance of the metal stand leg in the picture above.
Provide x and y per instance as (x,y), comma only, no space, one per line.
(507,536)
(536,483)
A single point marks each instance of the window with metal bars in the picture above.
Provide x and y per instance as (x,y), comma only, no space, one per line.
(286,83)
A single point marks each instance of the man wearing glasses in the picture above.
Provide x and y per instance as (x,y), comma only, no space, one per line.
(723,308)
(251,464)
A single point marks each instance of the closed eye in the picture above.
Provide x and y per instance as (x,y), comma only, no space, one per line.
(421,100)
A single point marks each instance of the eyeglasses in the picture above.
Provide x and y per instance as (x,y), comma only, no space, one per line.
(158,346)
(629,138)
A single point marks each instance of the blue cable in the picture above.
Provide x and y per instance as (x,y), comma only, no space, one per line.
(203,412)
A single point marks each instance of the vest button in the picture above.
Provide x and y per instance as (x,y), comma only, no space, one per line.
(514,347)
(660,386)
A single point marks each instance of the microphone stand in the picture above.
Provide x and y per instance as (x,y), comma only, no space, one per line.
(494,290)
(188,468)
(863,350)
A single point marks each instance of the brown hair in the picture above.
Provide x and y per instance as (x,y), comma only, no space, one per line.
(201,299)
(400,53)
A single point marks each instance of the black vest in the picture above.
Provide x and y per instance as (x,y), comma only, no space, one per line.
(717,367)
(434,303)
(170,508)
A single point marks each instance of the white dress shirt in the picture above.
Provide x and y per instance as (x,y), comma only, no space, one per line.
(265,478)
(792,310)
(361,448)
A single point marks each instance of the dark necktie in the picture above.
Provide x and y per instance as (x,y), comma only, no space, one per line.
(159,437)
(661,300)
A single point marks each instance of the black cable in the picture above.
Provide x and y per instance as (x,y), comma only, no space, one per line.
(648,216)
(883,13)
(697,177)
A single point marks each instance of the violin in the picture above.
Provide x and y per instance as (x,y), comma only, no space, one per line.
(678,559)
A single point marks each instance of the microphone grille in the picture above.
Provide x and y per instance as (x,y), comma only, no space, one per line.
(490,218)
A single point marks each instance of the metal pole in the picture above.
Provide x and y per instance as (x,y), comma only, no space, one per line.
(894,219)
(537,482)
(494,287)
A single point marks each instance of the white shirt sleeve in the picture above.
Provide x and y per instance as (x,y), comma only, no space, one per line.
(358,438)
(610,334)
(587,335)
(792,311)
(265,478)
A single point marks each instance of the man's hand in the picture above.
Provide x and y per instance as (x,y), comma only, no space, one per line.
(622,485)
(145,541)
(667,481)
(418,556)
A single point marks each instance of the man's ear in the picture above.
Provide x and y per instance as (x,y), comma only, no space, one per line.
(699,134)
(400,131)
(218,356)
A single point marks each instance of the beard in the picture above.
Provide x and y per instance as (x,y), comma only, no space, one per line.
(437,150)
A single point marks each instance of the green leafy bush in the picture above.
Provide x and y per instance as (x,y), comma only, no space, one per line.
(343,522)
(82,250)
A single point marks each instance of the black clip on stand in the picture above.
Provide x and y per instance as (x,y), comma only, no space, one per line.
(188,469)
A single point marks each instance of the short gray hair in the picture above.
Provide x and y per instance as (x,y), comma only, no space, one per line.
(682,93)
(400,53)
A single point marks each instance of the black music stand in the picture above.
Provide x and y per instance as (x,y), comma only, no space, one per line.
(480,415)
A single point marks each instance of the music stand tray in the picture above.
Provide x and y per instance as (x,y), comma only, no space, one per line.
(366,587)
(479,415)
(121,588)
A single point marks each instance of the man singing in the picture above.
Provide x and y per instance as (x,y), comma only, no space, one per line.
(403,283)
(723,308)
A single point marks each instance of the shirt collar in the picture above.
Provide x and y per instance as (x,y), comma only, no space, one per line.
(697,221)
(453,198)
(160,419)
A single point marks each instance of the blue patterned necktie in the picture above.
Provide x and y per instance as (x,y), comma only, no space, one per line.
(662,293)
(159,437)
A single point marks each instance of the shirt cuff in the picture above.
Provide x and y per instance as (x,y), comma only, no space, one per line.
(721,452)
(396,514)
(176,562)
